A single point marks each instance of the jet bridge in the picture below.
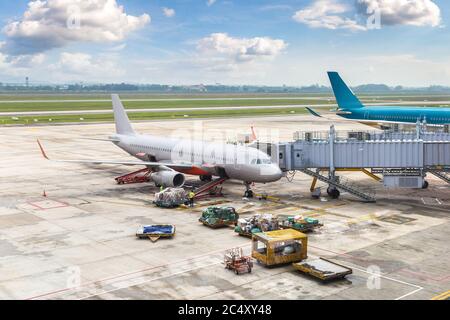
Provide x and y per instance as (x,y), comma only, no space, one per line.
(403,159)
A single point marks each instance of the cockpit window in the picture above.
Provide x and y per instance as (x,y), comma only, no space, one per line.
(261,161)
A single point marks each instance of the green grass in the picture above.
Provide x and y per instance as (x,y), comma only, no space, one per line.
(204,103)
(202,106)
(98,96)
(82,105)
(29,120)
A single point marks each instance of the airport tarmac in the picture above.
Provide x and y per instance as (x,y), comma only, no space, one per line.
(79,242)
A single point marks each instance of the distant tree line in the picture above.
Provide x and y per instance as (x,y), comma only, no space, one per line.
(159,88)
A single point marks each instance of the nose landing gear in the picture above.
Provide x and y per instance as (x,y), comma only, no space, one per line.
(248,192)
(333,192)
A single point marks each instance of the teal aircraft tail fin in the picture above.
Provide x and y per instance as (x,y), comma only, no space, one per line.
(345,97)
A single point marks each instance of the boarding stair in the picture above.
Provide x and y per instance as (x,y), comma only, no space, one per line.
(210,189)
(140,176)
(343,184)
(445,176)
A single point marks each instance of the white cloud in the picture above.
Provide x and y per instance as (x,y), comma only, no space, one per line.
(3,63)
(336,14)
(273,7)
(240,49)
(83,64)
(19,67)
(403,12)
(210,2)
(220,57)
(327,14)
(48,24)
(26,61)
(168,12)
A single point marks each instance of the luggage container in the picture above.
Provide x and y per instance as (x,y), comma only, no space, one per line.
(256,224)
(299,223)
(323,269)
(216,217)
(170,198)
(279,247)
(155,232)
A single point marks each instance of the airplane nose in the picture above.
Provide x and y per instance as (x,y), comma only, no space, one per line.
(273,173)
(277,172)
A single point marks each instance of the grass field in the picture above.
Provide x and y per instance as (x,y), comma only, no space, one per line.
(202,102)
(106,105)
(33,120)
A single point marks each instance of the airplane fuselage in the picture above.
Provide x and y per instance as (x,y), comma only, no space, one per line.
(436,116)
(210,158)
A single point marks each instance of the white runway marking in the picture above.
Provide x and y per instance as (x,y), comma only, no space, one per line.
(417,288)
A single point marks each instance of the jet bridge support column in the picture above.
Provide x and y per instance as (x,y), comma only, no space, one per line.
(332,190)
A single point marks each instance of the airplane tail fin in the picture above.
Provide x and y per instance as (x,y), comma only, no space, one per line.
(345,97)
(123,125)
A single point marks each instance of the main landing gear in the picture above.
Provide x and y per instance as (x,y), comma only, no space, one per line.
(248,192)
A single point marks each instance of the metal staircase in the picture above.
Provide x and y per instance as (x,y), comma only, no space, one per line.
(346,185)
(441,175)
(210,189)
(140,176)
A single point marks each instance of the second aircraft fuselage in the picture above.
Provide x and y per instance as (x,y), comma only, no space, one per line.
(210,158)
(437,116)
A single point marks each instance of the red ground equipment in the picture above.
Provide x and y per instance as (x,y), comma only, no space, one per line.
(235,260)
(139,176)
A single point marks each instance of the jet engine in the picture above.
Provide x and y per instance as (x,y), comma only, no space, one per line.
(171,179)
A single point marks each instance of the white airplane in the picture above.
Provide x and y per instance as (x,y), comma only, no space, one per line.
(170,158)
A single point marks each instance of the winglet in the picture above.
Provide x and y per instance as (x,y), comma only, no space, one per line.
(313,112)
(42,150)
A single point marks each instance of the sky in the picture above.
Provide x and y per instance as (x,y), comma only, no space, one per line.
(232,42)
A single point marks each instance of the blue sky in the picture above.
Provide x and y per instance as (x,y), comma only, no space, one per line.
(231,42)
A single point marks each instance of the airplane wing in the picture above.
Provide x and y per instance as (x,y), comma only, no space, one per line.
(125,163)
(100,139)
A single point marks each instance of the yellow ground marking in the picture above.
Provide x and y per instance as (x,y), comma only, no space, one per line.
(442,296)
